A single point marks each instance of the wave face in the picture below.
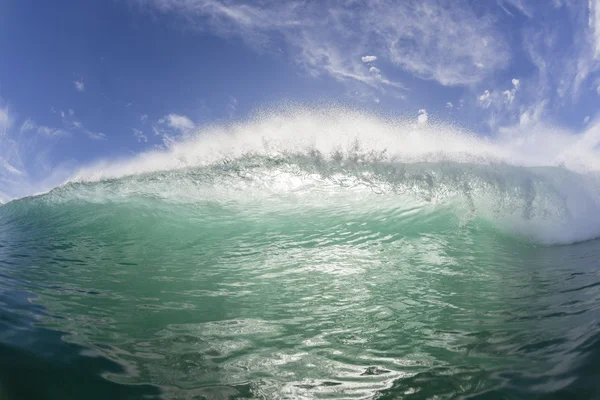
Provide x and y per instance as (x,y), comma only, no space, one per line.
(308,255)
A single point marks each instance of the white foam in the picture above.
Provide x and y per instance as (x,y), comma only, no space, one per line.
(566,207)
(301,130)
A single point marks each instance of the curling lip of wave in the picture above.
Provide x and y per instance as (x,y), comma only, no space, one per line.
(547,205)
(334,151)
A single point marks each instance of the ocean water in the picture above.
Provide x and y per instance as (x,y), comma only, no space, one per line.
(310,255)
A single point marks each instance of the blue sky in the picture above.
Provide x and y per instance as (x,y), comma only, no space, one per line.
(83,80)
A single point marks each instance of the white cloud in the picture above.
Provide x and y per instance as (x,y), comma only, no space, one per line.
(180,123)
(449,105)
(27,126)
(172,126)
(144,118)
(594,26)
(448,44)
(51,132)
(139,135)
(24,148)
(319,57)
(79,85)
(68,119)
(564,46)
(422,117)
(586,119)
(452,44)
(583,57)
(375,70)
(533,114)
(501,106)
(498,99)
(368,59)
(485,99)
(517,4)
(95,135)
(10,168)
(509,96)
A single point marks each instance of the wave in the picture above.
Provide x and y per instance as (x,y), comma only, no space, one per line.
(306,161)
(311,255)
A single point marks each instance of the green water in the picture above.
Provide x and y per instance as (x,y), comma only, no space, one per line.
(278,278)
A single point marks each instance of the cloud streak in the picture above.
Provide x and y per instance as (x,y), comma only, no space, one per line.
(71,123)
(450,44)
(387,46)
(24,146)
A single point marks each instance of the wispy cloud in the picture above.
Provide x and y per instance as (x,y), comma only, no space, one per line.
(501,106)
(451,44)
(95,135)
(563,42)
(5,120)
(10,168)
(79,85)
(497,98)
(587,43)
(448,44)
(51,132)
(518,5)
(177,122)
(71,123)
(9,147)
(27,126)
(485,99)
(172,126)
(23,146)
(139,135)
(533,114)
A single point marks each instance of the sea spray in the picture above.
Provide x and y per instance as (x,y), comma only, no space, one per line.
(310,254)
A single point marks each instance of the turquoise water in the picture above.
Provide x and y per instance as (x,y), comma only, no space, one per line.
(305,272)
(359,280)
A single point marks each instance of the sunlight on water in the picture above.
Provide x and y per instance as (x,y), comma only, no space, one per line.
(342,264)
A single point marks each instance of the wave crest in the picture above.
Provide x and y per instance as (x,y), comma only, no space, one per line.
(305,160)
